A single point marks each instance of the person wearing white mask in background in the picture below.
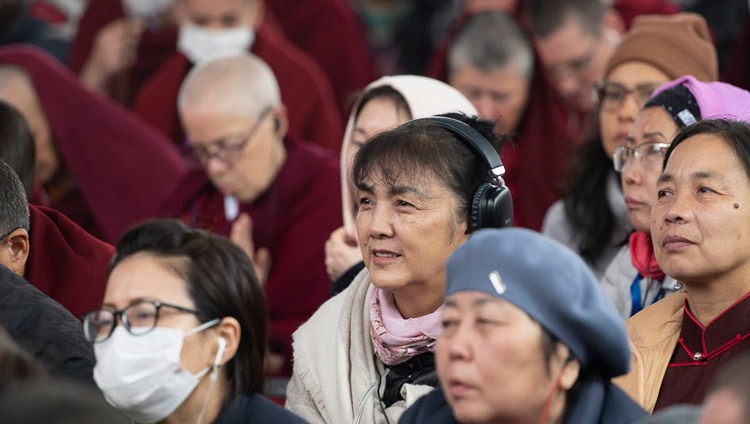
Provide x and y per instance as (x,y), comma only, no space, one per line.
(200,30)
(181,334)
(385,103)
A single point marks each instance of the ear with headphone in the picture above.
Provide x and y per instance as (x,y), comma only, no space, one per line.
(491,205)
(276,124)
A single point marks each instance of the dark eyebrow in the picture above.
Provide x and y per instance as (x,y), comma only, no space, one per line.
(697,175)
(702,175)
(654,134)
(361,186)
(664,178)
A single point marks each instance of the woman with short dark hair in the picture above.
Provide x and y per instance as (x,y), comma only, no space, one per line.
(181,334)
(701,238)
(367,353)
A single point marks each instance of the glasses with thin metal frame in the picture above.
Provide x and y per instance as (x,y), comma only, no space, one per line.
(138,319)
(611,95)
(224,150)
(649,154)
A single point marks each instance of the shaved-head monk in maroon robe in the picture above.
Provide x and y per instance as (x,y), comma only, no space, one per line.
(98,163)
(205,28)
(49,250)
(273,194)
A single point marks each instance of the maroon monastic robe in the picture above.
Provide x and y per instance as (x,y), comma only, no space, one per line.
(335,38)
(65,262)
(155,46)
(305,92)
(293,219)
(121,167)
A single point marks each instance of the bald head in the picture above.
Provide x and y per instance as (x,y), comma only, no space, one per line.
(235,84)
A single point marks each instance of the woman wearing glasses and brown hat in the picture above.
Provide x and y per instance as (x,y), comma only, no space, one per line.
(592,219)
(181,334)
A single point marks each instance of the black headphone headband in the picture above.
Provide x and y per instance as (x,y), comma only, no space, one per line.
(477,141)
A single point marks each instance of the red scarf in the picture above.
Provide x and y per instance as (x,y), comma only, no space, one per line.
(642,255)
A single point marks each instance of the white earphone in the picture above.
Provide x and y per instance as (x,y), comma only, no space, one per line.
(220,352)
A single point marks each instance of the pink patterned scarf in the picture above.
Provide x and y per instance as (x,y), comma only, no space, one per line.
(396,339)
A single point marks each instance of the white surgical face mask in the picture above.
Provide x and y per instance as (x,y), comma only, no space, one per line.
(142,375)
(150,10)
(200,44)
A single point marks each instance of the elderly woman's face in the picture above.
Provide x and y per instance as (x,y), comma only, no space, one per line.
(491,361)
(407,230)
(699,222)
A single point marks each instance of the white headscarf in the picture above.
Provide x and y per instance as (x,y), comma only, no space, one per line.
(424,96)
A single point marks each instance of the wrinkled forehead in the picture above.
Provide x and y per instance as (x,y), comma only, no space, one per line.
(397,177)
(706,157)
(653,122)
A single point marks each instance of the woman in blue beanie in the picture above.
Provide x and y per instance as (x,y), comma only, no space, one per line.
(528,337)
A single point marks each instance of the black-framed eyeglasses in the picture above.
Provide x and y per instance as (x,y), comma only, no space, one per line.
(649,154)
(138,318)
(223,150)
(611,95)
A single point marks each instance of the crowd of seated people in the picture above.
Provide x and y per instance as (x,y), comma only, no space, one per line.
(374,211)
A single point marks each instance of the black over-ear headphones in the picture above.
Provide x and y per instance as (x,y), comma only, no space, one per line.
(491,205)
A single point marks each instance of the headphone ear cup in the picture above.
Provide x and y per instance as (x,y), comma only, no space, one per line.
(491,207)
(477,210)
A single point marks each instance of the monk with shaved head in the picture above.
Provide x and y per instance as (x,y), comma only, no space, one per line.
(275,195)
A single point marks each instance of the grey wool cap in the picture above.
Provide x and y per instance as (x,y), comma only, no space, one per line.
(552,285)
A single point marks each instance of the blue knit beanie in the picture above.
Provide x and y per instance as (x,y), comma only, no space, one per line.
(552,285)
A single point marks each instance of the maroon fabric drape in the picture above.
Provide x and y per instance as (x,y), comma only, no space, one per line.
(305,92)
(629,9)
(65,262)
(122,168)
(293,219)
(536,163)
(335,38)
(154,47)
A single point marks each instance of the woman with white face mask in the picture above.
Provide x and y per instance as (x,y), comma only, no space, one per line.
(181,334)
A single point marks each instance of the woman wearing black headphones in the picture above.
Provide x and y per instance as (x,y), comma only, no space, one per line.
(422,188)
